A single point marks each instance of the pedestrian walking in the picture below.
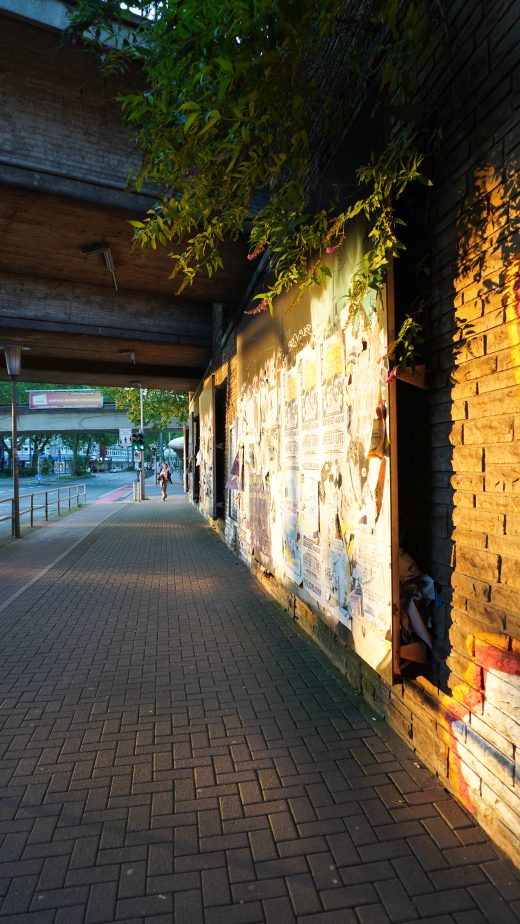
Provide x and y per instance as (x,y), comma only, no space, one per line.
(164,478)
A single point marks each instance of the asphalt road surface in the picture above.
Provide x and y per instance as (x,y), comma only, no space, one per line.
(106,487)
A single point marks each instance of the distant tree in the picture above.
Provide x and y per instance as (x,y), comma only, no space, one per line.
(81,444)
(160,407)
(38,440)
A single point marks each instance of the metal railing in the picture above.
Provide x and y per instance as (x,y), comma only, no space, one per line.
(64,499)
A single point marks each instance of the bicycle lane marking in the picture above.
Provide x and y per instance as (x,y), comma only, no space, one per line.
(116,495)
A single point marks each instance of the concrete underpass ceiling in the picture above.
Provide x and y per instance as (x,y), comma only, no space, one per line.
(65,307)
(63,165)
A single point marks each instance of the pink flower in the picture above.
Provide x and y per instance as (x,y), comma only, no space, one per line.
(256,251)
(257,309)
(332,248)
(391,376)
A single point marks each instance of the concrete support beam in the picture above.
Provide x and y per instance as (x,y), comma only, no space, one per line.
(71,421)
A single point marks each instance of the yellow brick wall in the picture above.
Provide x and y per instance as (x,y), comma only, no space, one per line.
(462,717)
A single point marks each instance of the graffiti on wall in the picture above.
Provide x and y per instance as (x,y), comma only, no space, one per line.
(206,453)
(315,505)
(482,713)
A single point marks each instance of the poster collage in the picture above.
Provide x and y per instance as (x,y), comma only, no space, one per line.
(206,455)
(311,472)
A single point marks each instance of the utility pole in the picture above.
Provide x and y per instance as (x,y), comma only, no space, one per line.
(142,450)
(154,456)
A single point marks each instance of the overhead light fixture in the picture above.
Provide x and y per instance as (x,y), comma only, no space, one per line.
(13,358)
(129,353)
(106,253)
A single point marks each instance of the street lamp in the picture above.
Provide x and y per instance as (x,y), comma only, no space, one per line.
(13,359)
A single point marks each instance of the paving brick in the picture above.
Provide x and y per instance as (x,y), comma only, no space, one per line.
(303,894)
(469,917)
(260,889)
(200,861)
(442,834)
(373,914)
(263,846)
(361,830)
(343,849)
(161,903)
(453,814)
(292,866)
(101,903)
(413,877)
(187,881)
(302,809)
(477,853)
(503,875)
(282,826)
(492,904)
(350,897)
(188,907)
(277,910)
(428,855)
(231,807)
(215,887)
(19,895)
(448,901)
(258,823)
(59,898)
(250,913)
(458,876)
(302,846)
(70,915)
(395,900)
(175,770)
(240,865)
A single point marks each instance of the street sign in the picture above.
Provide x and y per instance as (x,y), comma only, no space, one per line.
(125,436)
(65,399)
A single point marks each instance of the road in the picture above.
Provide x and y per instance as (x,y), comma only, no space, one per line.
(106,487)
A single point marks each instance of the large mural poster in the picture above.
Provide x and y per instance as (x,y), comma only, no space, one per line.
(206,453)
(312,424)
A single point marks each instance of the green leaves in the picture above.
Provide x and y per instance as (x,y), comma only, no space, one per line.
(232,113)
(405,350)
(160,407)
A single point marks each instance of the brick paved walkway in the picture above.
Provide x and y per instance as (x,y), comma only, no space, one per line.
(173,749)
(23,561)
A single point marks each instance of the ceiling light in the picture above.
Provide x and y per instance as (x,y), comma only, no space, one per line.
(92,249)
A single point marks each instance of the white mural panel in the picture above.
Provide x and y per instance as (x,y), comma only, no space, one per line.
(313,499)
(206,454)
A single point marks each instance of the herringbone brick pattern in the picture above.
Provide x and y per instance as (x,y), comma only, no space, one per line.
(174,749)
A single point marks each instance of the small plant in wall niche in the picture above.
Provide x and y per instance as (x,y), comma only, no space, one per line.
(404,353)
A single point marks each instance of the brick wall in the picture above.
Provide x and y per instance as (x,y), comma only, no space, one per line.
(464,718)
(460,472)
(56,87)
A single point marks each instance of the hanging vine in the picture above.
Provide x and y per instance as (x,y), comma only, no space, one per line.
(231,100)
